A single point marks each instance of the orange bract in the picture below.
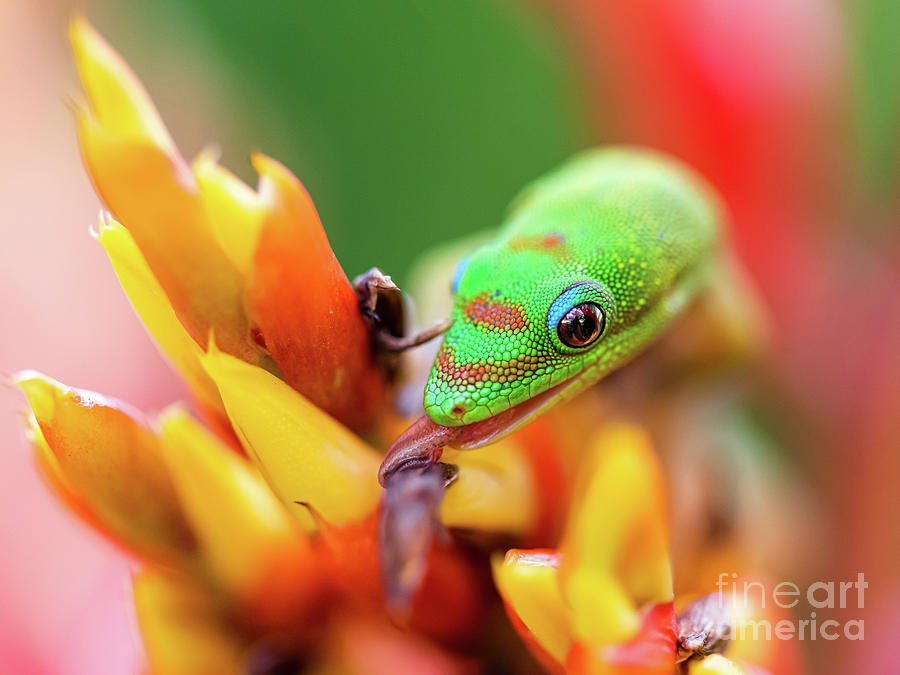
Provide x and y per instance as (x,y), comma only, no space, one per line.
(221,252)
(305,307)
(147,185)
(105,460)
(602,605)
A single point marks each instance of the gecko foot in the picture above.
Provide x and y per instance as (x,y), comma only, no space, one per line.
(704,628)
(408,522)
(400,344)
(381,304)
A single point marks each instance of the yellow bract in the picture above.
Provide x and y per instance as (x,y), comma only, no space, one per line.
(235,211)
(239,523)
(118,100)
(614,560)
(494,490)
(184,632)
(616,545)
(531,586)
(146,184)
(304,454)
(714,664)
(152,306)
(602,611)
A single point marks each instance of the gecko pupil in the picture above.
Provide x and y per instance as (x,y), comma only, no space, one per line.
(581,325)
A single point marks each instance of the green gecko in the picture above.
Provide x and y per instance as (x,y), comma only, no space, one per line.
(593,263)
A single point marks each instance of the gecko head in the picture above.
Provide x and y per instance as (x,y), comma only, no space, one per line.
(515,350)
(594,262)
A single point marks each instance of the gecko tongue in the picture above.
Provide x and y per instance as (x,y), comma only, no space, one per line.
(424,440)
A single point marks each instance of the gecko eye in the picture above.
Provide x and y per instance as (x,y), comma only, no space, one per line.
(581,325)
(579,317)
(458,274)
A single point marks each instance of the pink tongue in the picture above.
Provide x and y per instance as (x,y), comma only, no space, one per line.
(424,441)
(420,445)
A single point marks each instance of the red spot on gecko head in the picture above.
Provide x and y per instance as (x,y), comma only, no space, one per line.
(496,316)
(553,240)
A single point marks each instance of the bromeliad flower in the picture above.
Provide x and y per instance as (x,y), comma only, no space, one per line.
(604,604)
(258,532)
(258,538)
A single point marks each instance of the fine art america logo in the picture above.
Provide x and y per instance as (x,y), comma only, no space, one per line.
(749,601)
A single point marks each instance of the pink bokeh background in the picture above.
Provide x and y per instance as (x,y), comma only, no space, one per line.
(65,597)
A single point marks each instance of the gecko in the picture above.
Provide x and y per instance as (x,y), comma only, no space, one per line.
(594,261)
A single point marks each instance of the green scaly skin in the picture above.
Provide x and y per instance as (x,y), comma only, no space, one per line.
(641,228)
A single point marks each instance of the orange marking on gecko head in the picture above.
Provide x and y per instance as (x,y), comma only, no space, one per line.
(551,240)
(496,316)
(460,373)
(536,242)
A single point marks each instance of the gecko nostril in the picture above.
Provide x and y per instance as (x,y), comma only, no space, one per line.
(458,410)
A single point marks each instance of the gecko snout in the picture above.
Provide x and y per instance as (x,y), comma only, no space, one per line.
(459,409)
(451,412)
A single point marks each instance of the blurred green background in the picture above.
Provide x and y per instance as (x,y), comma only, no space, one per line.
(409,123)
